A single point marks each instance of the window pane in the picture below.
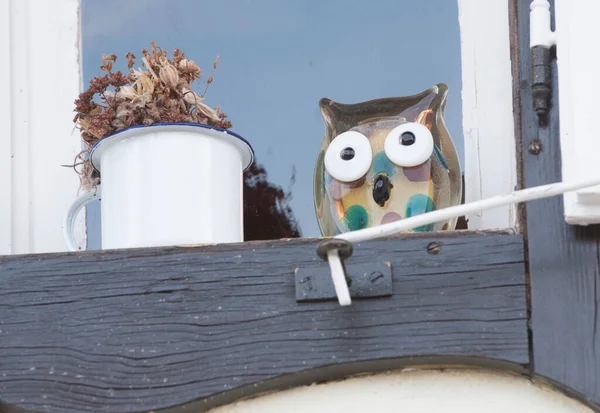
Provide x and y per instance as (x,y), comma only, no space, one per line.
(277,59)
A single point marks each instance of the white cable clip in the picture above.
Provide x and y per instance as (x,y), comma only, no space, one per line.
(334,250)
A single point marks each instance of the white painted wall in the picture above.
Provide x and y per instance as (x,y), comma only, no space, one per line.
(40,77)
(488,122)
(424,391)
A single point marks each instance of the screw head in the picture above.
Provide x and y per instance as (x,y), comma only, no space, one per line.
(535,147)
(376,277)
(434,248)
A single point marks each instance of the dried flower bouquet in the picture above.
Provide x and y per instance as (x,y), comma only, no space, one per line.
(160,92)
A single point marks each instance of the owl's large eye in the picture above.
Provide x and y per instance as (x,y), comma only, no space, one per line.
(349,156)
(409,144)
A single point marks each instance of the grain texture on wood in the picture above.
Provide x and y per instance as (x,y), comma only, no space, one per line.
(186,329)
(563,259)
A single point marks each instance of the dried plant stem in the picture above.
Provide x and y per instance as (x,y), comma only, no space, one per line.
(210,78)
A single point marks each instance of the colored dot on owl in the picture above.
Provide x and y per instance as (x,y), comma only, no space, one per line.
(382,164)
(421,173)
(419,204)
(356,217)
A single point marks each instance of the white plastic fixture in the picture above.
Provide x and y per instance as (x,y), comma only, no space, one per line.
(577,36)
(540,17)
(168,185)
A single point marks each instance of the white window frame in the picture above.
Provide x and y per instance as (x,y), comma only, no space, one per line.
(488,117)
(39,82)
(39,79)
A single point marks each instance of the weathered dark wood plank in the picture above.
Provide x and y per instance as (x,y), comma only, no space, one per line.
(140,330)
(563,259)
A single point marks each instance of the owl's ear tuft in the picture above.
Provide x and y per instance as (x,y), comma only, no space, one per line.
(329,108)
(325,102)
(427,105)
(441,96)
(442,88)
(332,114)
(426,118)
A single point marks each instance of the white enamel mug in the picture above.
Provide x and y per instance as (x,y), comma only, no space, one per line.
(167,184)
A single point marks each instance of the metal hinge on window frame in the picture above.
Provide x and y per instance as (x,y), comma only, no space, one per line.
(542,41)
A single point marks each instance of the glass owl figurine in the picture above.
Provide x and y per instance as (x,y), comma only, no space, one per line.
(385,160)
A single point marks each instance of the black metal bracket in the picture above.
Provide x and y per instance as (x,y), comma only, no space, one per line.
(367,280)
(541,81)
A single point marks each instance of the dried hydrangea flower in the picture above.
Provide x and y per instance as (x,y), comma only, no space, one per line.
(189,66)
(169,74)
(160,91)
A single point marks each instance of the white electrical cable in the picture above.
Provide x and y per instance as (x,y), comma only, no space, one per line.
(339,278)
(529,194)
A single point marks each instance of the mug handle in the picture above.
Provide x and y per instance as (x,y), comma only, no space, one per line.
(74,209)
